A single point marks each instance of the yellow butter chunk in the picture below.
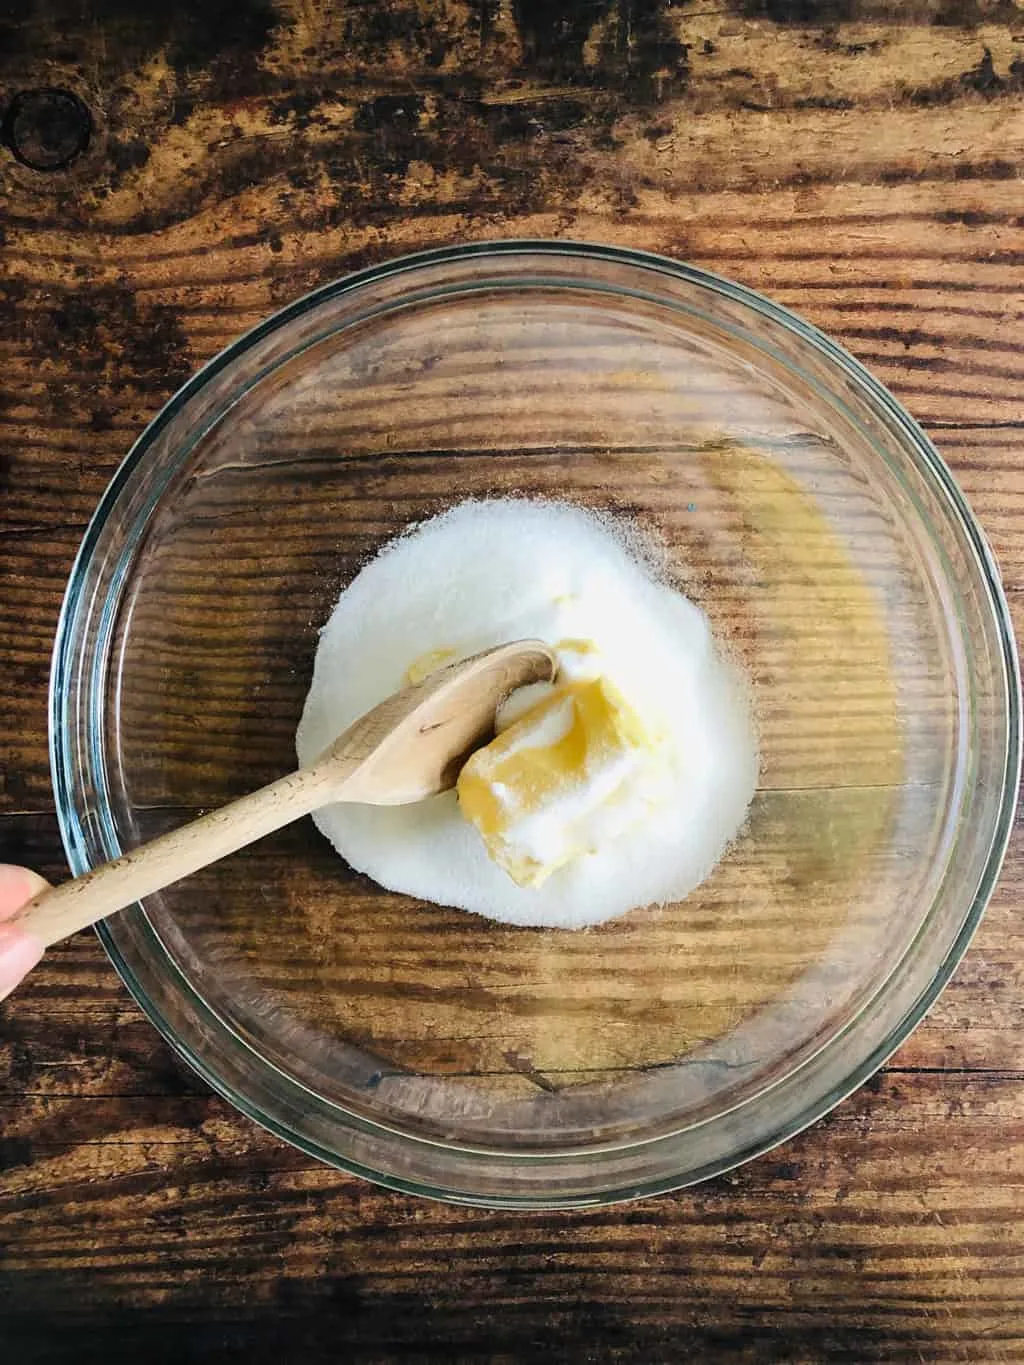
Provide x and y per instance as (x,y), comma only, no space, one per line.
(578,769)
(428,663)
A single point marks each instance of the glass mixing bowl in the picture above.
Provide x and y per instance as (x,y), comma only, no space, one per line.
(799,505)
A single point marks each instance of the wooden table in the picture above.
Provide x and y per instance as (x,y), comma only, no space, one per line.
(858,160)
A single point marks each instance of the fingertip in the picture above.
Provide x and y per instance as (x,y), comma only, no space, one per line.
(17,885)
(19,953)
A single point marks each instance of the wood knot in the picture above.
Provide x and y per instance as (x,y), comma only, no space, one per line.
(46,128)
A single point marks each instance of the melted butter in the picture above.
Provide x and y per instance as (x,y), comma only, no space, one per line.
(428,663)
(577,769)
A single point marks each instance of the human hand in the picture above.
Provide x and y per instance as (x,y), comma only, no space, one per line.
(19,951)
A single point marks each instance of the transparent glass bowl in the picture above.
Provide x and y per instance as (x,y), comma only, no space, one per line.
(800,506)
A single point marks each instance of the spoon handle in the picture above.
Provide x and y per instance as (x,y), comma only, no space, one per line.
(57,913)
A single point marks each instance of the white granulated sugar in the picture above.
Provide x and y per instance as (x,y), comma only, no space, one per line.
(489,572)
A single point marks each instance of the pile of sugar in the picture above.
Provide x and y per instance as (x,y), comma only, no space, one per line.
(493,571)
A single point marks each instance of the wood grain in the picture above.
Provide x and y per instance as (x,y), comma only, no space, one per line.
(859,161)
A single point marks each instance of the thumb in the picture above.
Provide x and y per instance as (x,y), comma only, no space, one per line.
(19,949)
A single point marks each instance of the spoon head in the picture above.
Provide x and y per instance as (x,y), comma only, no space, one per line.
(413,745)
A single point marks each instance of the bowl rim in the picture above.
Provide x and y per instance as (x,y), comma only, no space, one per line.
(930,463)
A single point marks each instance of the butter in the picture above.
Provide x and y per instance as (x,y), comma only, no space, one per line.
(571,774)
(428,663)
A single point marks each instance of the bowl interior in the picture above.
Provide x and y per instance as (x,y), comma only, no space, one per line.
(787,503)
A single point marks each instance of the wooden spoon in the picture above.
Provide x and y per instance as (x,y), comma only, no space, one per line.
(407,748)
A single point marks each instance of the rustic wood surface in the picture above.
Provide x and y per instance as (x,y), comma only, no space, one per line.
(859,160)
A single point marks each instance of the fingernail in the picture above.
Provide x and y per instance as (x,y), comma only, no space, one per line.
(19,953)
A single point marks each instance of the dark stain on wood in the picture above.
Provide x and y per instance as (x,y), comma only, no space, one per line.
(638,51)
(208,38)
(969,14)
(982,79)
(825,13)
(109,333)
